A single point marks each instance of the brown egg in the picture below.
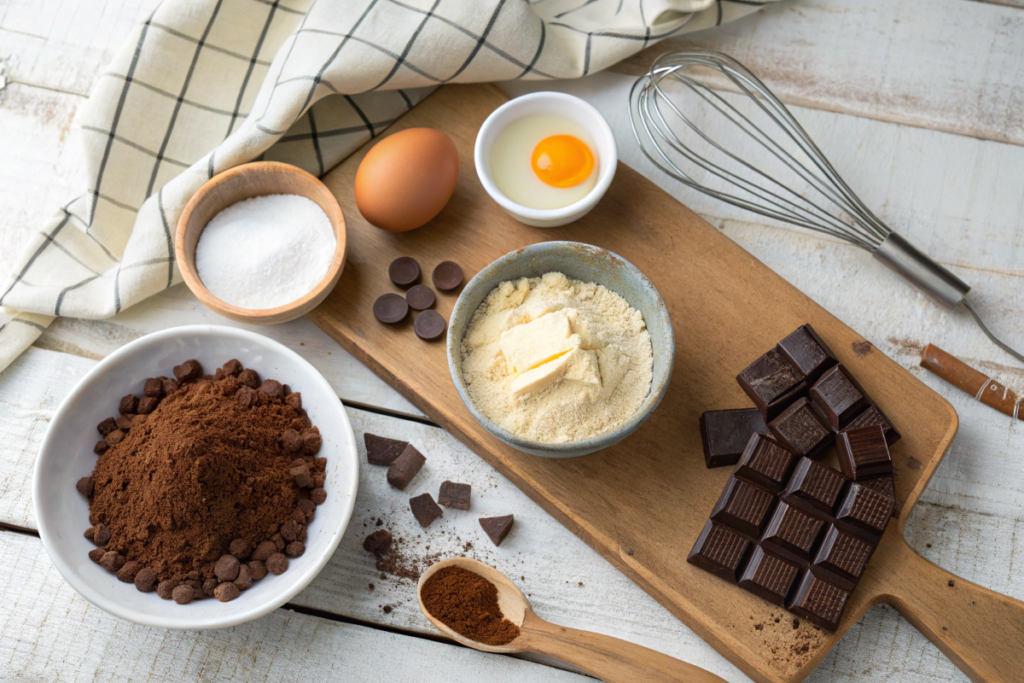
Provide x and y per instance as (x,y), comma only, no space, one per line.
(406,179)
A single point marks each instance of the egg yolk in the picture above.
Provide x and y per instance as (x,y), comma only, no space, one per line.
(562,160)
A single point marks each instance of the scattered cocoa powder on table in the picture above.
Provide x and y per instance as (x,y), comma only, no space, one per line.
(468,604)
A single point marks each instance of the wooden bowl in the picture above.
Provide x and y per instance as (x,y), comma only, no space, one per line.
(257,179)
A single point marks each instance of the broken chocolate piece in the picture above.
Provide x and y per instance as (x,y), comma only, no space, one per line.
(378,541)
(819,602)
(805,350)
(106,426)
(720,551)
(405,467)
(188,371)
(873,416)
(801,429)
(838,396)
(863,453)
(497,528)
(743,507)
(725,433)
(424,509)
(454,495)
(769,576)
(772,382)
(765,463)
(814,485)
(381,450)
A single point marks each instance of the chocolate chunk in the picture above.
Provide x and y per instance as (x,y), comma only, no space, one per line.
(791,533)
(165,588)
(294,401)
(863,453)
(819,602)
(873,416)
(720,551)
(768,576)
(209,586)
(405,467)
(378,541)
(154,387)
(240,548)
(147,405)
(249,378)
(381,450)
(183,594)
(85,486)
(100,534)
(743,507)
(447,276)
(301,423)
(129,405)
(865,509)
(263,551)
(307,508)
(257,569)
(454,495)
(311,443)
(278,541)
(318,495)
(127,572)
(801,429)
(247,397)
(390,309)
(765,463)
(226,592)
(89,533)
(838,396)
(188,371)
(301,476)
(497,528)
(96,554)
(843,554)
(232,368)
(291,440)
(772,383)
(272,388)
(420,297)
(885,485)
(429,325)
(805,351)
(294,549)
(145,580)
(106,426)
(112,561)
(124,423)
(244,580)
(170,386)
(424,509)
(404,271)
(226,568)
(725,433)
(290,530)
(299,517)
(814,486)
(277,564)
(101,447)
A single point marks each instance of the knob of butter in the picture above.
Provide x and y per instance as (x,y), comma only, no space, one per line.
(541,341)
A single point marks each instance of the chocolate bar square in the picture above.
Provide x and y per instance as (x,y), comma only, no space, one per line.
(863,453)
(791,533)
(765,463)
(814,486)
(864,509)
(725,433)
(885,485)
(802,430)
(805,350)
(818,601)
(720,551)
(873,416)
(838,396)
(772,383)
(743,507)
(843,554)
(768,576)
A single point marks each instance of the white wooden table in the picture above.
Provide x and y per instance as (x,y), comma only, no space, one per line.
(918,104)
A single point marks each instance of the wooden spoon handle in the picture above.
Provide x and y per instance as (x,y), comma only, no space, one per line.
(980,630)
(610,659)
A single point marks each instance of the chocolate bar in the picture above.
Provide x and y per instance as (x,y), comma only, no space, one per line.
(772,383)
(863,453)
(725,433)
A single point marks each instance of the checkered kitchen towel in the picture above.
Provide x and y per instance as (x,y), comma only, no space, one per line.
(204,85)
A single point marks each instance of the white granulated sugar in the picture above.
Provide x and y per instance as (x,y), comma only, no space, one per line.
(265,252)
(582,403)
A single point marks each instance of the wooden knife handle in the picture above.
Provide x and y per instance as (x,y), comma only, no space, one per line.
(610,659)
(980,630)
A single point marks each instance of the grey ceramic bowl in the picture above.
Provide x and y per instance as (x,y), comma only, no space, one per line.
(578,262)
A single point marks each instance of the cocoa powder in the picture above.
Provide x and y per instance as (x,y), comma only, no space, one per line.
(468,604)
(203,470)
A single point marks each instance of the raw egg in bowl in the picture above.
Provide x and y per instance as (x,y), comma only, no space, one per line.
(547,158)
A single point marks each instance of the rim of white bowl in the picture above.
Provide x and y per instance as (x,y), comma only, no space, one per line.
(232,618)
(604,178)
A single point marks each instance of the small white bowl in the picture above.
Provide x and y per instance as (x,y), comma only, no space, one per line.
(66,456)
(570,107)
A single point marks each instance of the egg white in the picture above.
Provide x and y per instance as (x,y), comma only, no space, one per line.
(511,169)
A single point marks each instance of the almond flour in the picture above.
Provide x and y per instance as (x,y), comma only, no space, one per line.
(577,382)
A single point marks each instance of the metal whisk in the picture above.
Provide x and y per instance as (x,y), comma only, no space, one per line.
(691,133)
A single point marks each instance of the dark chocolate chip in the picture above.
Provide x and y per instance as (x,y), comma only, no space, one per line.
(311,443)
(112,561)
(278,541)
(318,495)
(249,378)
(232,367)
(96,554)
(165,588)
(390,308)
(244,580)
(226,592)
(226,568)
(101,447)
(404,271)
(183,594)
(124,422)
(247,397)
(129,405)
(454,495)
(145,580)
(404,468)
(263,551)
(424,509)
(429,325)
(277,564)
(447,276)
(381,450)
(295,549)
(307,508)
(106,426)
(301,476)
(290,530)
(291,440)
(139,420)
(85,486)
(378,541)
(272,388)
(170,386)
(497,528)
(154,387)
(294,400)
(100,534)
(127,572)
(420,297)
(209,586)
(188,371)
(257,569)
(240,548)
(147,405)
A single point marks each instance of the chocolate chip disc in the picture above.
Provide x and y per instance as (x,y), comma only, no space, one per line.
(391,309)
(404,271)
(429,325)
(420,297)
(447,276)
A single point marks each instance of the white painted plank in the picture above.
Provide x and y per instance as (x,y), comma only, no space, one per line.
(947,65)
(49,632)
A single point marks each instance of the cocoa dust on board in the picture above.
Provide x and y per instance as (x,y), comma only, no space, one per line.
(788,642)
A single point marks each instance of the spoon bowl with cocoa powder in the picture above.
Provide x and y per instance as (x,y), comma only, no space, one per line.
(479,607)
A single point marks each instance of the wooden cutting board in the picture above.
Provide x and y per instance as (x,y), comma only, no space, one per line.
(642,503)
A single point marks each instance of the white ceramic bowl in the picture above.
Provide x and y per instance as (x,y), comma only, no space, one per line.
(66,456)
(547,103)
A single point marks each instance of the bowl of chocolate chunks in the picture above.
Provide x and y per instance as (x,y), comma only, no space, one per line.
(198,477)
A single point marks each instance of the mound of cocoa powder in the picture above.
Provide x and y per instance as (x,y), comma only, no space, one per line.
(212,463)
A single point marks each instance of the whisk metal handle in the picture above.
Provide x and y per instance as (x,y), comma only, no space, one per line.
(916,267)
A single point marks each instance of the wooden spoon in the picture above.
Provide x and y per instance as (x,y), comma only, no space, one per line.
(610,659)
